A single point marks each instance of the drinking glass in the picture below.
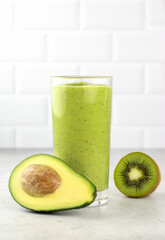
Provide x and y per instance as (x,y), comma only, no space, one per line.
(81,115)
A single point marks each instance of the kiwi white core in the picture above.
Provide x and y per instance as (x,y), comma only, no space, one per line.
(135,174)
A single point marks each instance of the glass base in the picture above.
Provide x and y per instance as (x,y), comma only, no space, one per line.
(101,199)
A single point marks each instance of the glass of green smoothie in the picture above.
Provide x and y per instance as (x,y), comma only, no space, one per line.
(81,113)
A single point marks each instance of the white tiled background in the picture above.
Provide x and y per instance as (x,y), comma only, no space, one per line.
(123,38)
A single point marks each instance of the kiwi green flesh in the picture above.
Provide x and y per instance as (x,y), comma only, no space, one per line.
(136,175)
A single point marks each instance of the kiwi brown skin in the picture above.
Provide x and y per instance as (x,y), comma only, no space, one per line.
(155,186)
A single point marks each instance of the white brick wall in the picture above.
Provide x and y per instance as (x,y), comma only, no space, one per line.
(21,46)
(139,46)
(155,78)
(79,47)
(127,137)
(6,78)
(23,110)
(154,137)
(112,14)
(155,12)
(6,14)
(42,137)
(122,38)
(47,14)
(7,137)
(139,110)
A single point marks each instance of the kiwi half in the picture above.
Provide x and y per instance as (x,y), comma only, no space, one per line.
(137,175)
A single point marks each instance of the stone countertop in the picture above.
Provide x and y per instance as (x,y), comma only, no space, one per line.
(121,218)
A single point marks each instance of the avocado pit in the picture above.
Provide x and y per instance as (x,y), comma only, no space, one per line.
(38,180)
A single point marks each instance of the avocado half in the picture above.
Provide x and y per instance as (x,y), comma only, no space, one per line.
(72,191)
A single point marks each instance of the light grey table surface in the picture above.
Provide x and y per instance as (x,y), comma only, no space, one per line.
(121,218)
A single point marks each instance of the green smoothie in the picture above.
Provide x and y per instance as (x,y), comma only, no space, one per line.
(81,129)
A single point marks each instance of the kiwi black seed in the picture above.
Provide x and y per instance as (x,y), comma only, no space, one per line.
(137,175)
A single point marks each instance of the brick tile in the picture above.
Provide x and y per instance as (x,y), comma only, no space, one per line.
(79,46)
(154,137)
(139,46)
(22,46)
(7,137)
(155,78)
(139,110)
(6,78)
(22,110)
(34,137)
(112,14)
(46,14)
(126,137)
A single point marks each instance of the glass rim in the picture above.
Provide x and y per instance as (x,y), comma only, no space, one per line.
(81,76)
(69,79)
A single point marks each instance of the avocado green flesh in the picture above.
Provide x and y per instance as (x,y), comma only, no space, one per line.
(145,175)
(75,190)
